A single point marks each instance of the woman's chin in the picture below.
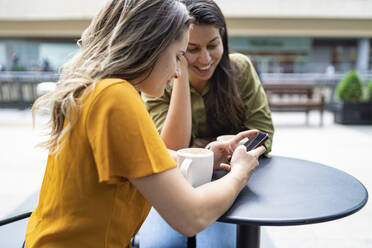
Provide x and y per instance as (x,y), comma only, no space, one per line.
(154,93)
(203,76)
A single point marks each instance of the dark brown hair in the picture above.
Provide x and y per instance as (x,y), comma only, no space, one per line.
(225,108)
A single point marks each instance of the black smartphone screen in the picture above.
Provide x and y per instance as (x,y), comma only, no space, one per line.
(256,140)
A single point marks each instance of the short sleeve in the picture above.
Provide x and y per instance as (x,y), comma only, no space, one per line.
(124,140)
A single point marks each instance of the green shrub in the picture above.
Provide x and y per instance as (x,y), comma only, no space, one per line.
(19,68)
(350,89)
(369,91)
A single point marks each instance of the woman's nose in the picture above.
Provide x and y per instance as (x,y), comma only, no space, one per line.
(204,57)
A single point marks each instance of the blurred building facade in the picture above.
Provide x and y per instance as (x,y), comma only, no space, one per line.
(287,36)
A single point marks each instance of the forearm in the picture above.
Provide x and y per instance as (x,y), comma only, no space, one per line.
(197,208)
(189,210)
(176,132)
(216,197)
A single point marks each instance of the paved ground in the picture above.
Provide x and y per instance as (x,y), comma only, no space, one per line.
(348,148)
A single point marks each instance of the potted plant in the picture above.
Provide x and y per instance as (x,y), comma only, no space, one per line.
(369,91)
(355,106)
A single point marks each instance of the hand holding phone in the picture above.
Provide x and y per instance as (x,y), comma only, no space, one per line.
(256,140)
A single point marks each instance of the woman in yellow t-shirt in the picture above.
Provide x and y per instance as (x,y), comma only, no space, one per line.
(107,164)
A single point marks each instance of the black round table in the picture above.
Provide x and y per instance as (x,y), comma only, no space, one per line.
(286,191)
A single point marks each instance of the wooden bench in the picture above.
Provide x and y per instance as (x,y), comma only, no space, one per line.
(295,97)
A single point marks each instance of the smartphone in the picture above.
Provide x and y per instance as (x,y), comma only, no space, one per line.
(256,140)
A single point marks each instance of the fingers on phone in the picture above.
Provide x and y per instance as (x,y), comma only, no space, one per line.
(247,133)
(258,151)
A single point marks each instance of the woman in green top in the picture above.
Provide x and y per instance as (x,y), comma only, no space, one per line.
(220,94)
(216,94)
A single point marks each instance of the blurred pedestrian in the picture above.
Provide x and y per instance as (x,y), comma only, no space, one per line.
(45,65)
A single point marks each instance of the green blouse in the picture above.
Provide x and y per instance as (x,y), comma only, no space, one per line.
(258,115)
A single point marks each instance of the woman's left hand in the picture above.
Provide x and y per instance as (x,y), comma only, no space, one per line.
(223,150)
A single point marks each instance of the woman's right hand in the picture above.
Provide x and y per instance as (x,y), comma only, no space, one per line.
(243,163)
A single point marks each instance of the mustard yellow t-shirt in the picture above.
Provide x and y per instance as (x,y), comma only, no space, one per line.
(86,199)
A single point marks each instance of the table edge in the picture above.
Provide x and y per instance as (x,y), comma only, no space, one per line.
(300,221)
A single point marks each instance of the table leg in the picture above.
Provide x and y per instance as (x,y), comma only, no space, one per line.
(248,236)
(191,242)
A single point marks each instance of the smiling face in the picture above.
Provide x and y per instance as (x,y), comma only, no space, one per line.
(204,52)
(166,68)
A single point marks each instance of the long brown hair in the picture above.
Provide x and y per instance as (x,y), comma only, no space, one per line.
(124,40)
(225,108)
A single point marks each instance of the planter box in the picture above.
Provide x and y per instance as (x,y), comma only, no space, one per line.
(353,113)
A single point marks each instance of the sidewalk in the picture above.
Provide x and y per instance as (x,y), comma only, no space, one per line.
(347,148)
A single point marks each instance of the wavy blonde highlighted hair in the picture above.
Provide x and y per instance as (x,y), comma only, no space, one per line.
(124,40)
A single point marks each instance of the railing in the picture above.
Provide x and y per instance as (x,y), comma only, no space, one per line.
(18,89)
(318,78)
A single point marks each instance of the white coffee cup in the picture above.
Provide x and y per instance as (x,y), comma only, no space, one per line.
(225,138)
(228,137)
(196,165)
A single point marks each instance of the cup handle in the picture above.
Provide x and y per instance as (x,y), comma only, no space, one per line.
(185,168)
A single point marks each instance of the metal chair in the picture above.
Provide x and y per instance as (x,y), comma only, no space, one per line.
(15,218)
(191,242)
(12,219)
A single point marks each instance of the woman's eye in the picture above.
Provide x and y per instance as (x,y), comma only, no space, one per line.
(212,46)
(192,50)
